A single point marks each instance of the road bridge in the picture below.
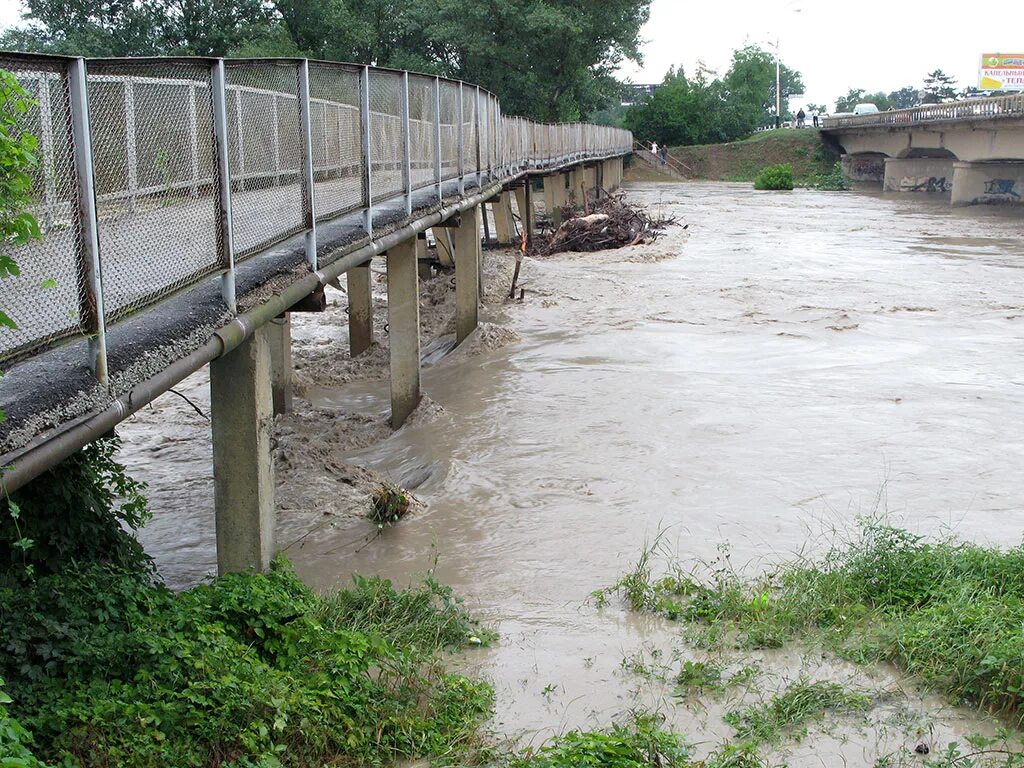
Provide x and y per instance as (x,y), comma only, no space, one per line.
(187,203)
(972,150)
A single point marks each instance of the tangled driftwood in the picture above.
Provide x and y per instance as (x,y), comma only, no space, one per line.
(610,222)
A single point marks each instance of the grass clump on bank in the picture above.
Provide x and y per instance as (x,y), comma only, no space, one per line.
(103,665)
(775,177)
(949,612)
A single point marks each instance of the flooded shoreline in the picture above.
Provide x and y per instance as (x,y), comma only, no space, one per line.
(789,363)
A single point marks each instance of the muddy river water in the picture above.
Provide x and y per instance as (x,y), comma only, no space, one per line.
(787,364)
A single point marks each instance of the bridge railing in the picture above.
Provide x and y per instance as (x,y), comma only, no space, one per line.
(154,174)
(971,109)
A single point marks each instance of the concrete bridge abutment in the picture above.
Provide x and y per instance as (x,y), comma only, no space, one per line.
(554,196)
(988,183)
(241,415)
(918,174)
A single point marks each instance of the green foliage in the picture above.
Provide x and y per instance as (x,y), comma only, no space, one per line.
(82,509)
(15,741)
(107,668)
(554,60)
(945,611)
(775,177)
(17,161)
(938,87)
(833,181)
(702,110)
(640,743)
(800,703)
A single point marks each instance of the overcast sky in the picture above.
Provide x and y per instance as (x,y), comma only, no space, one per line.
(871,44)
(878,45)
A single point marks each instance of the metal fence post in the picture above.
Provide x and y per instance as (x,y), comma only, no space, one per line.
(462,141)
(276,140)
(406,143)
(46,139)
(223,199)
(308,180)
(131,144)
(90,273)
(437,137)
(364,113)
(240,129)
(479,139)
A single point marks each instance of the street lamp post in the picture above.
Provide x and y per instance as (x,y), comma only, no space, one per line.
(778,88)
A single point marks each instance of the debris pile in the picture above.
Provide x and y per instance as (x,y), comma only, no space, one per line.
(610,222)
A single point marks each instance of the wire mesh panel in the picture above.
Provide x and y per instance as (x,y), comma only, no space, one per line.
(449,130)
(44,299)
(264,149)
(153,160)
(421,130)
(387,151)
(469,132)
(337,130)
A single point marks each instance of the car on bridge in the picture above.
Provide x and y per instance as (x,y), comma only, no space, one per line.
(866,108)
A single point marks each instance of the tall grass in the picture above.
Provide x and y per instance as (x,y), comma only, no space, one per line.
(947,611)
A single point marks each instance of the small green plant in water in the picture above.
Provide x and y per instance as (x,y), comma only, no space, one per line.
(388,505)
(799,704)
(775,177)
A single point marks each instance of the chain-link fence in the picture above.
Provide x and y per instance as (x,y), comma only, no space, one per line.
(336,128)
(161,133)
(44,300)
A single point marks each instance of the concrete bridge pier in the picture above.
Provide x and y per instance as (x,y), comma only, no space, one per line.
(554,197)
(241,415)
(863,167)
(467,273)
(279,335)
(988,183)
(360,309)
(577,184)
(502,211)
(403,330)
(524,203)
(918,174)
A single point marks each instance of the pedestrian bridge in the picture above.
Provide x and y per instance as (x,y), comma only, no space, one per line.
(186,203)
(973,150)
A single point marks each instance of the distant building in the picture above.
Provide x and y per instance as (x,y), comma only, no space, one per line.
(634,93)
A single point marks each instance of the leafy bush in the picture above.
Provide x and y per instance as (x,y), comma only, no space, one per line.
(833,181)
(81,510)
(107,668)
(775,177)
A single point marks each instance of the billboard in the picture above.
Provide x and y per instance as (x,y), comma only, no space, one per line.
(1001,72)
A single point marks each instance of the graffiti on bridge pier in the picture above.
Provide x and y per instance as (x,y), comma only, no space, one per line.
(925,184)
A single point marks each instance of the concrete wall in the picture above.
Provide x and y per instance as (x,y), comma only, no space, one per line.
(919,174)
(988,183)
(867,167)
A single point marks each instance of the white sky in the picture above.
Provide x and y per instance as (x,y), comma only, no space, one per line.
(878,45)
(871,44)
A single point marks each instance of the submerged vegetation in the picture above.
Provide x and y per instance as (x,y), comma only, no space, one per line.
(947,612)
(775,177)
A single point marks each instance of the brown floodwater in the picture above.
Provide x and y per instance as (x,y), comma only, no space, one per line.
(788,364)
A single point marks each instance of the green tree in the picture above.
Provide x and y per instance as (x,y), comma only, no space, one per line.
(904,98)
(750,82)
(938,87)
(852,98)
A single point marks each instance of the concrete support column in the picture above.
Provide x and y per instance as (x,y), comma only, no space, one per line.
(403,330)
(279,335)
(502,210)
(1000,183)
(360,309)
(524,203)
(863,167)
(467,274)
(422,264)
(241,415)
(918,174)
(554,197)
(577,183)
(445,247)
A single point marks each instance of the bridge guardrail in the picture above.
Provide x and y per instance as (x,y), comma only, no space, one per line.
(972,109)
(157,173)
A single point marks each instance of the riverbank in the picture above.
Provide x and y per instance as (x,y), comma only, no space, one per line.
(803,150)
